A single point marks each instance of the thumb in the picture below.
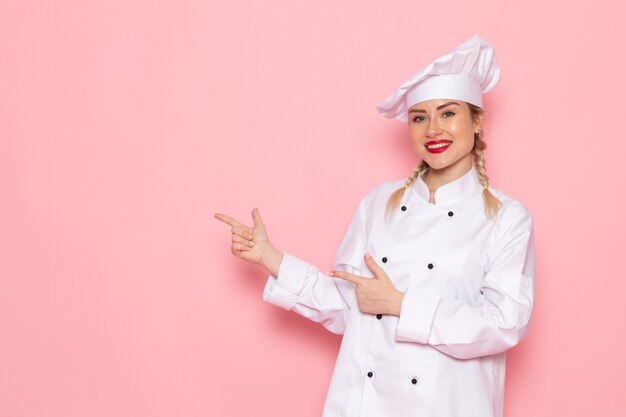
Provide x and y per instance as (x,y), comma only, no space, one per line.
(256,217)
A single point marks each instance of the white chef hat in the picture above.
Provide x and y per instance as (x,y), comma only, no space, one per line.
(464,74)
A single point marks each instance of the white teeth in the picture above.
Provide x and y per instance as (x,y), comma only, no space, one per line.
(439,145)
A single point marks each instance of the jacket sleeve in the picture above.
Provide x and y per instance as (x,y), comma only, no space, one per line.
(498,319)
(302,288)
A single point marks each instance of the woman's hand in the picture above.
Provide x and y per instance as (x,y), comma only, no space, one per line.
(251,243)
(375,295)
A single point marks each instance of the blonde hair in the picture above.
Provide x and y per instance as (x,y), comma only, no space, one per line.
(491,202)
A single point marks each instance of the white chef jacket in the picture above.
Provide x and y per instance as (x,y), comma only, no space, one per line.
(469,288)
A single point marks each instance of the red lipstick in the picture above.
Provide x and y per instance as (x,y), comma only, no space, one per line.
(437,146)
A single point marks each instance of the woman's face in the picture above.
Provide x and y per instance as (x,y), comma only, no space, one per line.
(442,134)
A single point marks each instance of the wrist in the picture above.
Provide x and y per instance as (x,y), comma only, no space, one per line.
(271,259)
(396,303)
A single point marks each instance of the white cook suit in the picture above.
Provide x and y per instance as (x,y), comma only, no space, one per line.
(469,288)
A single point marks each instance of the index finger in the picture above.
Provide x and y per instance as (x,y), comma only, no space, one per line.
(355,279)
(229,220)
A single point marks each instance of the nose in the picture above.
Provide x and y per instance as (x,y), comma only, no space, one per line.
(433,127)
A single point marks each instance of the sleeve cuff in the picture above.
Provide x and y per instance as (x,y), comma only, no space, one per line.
(417,313)
(283,290)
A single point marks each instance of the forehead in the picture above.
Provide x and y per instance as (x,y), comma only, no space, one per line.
(434,103)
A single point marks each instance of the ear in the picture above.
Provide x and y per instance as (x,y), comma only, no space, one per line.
(478,122)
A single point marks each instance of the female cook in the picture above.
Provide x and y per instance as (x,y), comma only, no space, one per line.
(434,279)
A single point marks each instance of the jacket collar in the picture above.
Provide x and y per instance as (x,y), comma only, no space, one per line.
(449,193)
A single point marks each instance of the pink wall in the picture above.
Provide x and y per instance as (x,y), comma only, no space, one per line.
(124,125)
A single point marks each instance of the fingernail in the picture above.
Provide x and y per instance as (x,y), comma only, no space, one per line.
(331,273)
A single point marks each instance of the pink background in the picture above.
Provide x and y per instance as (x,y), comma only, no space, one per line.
(124,125)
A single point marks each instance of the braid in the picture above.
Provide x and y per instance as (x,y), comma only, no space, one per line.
(492,204)
(479,159)
(415,174)
(396,196)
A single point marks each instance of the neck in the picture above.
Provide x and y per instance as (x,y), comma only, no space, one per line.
(435,178)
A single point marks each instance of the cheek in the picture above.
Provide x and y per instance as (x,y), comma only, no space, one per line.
(464,135)
(415,133)
(459,126)
(416,139)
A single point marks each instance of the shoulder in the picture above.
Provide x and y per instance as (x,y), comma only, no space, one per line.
(512,239)
(512,213)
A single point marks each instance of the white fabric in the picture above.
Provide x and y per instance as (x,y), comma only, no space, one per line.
(465,73)
(449,86)
(445,354)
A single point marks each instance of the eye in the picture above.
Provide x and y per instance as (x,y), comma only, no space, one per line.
(418,119)
(448,113)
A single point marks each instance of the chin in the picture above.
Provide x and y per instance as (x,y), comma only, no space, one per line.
(437,164)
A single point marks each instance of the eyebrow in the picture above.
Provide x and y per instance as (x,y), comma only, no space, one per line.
(438,108)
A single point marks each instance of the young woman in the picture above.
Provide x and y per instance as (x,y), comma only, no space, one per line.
(434,278)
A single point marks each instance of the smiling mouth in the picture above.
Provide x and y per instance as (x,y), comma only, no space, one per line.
(437,146)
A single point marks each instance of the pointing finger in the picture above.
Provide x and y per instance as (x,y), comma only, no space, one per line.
(374,267)
(228,220)
(355,279)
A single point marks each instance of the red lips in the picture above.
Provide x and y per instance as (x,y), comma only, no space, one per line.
(438,149)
